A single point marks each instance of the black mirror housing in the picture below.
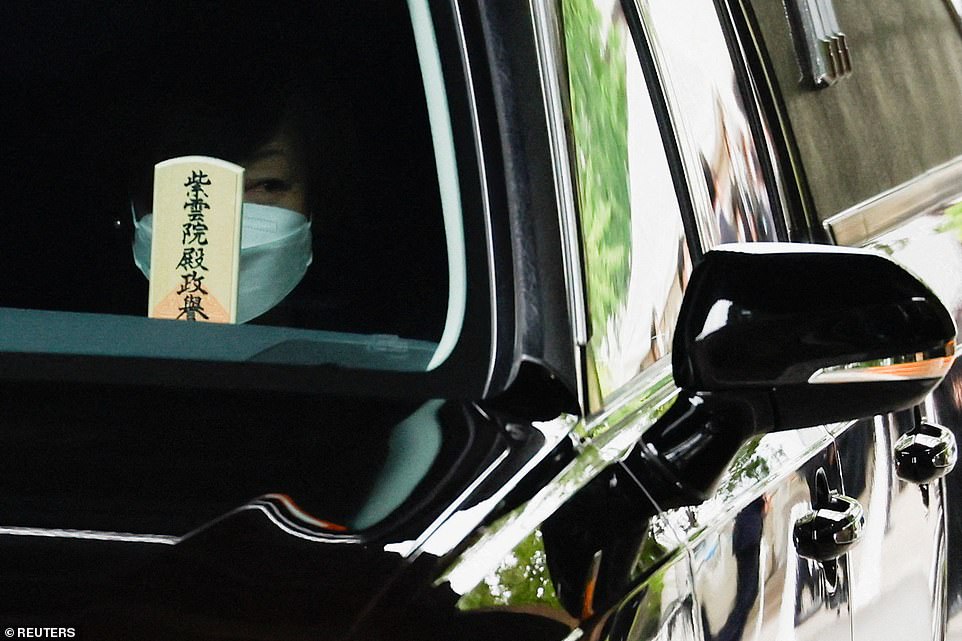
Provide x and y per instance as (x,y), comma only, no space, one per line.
(774,336)
(832,334)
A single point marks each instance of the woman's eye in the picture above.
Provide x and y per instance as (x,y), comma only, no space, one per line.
(268,186)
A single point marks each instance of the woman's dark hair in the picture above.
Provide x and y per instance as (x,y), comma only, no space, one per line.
(223,87)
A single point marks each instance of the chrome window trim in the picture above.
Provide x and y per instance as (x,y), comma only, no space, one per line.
(698,195)
(546,28)
(90,535)
(610,438)
(955,8)
(792,179)
(763,205)
(466,513)
(755,110)
(485,202)
(934,189)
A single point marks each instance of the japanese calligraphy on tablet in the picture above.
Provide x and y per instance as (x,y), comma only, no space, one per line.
(195,248)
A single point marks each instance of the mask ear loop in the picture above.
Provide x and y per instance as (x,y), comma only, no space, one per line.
(141,257)
(133,213)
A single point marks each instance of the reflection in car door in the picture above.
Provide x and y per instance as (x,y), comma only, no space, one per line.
(711,183)
(883,172)
(908,560)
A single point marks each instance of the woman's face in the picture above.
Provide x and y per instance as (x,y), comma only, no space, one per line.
(274,175)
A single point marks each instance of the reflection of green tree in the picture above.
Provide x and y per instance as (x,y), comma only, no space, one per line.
(521,579)
(596,67)
(747,467)
(952,220)
(896,246)
(650,553)
(649,625)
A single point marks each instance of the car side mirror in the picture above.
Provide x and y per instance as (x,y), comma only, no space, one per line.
(775,336)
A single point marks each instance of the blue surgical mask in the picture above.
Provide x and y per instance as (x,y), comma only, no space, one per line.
(275,254)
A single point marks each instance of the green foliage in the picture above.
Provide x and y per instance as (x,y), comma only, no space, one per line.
(952,220)
(521,579)
(749,466)
(597,72)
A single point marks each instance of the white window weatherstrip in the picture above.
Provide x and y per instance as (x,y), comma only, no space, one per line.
(443,138)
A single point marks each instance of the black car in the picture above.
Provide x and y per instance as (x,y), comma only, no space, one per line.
(546,320)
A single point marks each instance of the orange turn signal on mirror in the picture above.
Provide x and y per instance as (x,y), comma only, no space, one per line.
(909,367)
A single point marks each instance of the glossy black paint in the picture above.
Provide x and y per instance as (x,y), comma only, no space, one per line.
(771,319)
(767,320)
(239,558)
(606,521)
(681,457)
(102,458)
(753,328)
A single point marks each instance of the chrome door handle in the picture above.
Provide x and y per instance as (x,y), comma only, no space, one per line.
(832,527)
(925,454)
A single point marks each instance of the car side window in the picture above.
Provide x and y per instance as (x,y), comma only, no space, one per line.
(636,252)
(350,238)
(724,145)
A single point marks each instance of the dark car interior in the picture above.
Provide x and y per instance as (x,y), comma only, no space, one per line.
(99,92)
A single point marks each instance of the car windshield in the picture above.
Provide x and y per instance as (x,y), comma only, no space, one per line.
(350,247)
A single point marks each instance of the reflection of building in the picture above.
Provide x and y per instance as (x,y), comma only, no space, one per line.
(727,188)
(737,187)
(724,173)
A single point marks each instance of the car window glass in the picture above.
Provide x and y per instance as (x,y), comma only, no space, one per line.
(352,242)
(636,255)
(711,116)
